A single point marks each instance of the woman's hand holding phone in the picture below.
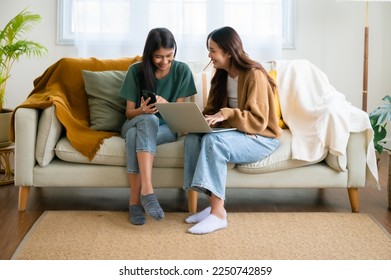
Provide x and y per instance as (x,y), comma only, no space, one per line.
(149,94)
(148,99)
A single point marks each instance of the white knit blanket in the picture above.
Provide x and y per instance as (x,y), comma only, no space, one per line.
(319,117)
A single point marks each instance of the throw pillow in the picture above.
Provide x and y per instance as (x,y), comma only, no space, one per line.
(49,131)
(202,78)
(281,123)
(107,108)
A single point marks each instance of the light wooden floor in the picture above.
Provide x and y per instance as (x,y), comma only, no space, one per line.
(14,225)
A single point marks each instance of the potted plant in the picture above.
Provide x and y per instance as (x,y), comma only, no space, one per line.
(13,45)
(379,119)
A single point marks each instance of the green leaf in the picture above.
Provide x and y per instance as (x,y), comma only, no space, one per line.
(13,45)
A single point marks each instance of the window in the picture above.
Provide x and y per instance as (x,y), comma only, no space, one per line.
(123,24)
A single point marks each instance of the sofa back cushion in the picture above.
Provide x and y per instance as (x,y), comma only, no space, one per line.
(107,108)
(202,78)
(281,123)
(49,131)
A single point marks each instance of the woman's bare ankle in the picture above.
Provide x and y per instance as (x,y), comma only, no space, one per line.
(219,213)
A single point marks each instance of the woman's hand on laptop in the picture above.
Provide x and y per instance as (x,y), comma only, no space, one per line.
(213,119)
(160,99)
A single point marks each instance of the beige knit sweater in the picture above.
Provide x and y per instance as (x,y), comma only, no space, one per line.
(256,112)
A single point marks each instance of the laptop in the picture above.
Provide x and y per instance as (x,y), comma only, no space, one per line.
(186,117)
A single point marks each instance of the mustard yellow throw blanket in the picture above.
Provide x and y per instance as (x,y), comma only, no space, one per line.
(62,85)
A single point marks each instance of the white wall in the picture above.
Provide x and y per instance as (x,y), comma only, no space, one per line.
(329,33)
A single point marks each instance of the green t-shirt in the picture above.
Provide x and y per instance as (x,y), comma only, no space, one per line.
(178,83)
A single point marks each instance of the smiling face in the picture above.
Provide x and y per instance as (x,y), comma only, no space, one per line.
(220,58)
(162,59)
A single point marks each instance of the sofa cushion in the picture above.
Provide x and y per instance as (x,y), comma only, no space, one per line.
(338,163)
(280,159)
(281,123)
(49,131)
(169,154)
(107,108)
(112,152)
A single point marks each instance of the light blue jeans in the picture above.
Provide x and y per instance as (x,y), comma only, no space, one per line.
(143,133)
(207,155)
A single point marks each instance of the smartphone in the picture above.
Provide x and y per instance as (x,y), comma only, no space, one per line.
(149,94)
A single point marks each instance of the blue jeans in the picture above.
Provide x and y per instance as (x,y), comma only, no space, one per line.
(207,155)
(143,133)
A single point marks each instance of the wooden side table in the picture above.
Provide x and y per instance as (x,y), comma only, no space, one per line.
(6,172)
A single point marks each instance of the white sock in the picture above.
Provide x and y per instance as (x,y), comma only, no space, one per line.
(198,217)
(208,225)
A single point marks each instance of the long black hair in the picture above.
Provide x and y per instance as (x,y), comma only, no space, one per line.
(157,38)
(229,41)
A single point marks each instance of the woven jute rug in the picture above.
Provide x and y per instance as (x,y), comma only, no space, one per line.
(105,235)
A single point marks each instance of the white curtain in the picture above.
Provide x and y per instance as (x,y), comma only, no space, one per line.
(118,28)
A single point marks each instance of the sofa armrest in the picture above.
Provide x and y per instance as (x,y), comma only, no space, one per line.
(26,127)
(357,159)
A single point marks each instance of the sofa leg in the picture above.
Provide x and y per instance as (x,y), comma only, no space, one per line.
(192,197)
(353,198)
(23,198)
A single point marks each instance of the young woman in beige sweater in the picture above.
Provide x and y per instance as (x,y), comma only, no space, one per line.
(241,96)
